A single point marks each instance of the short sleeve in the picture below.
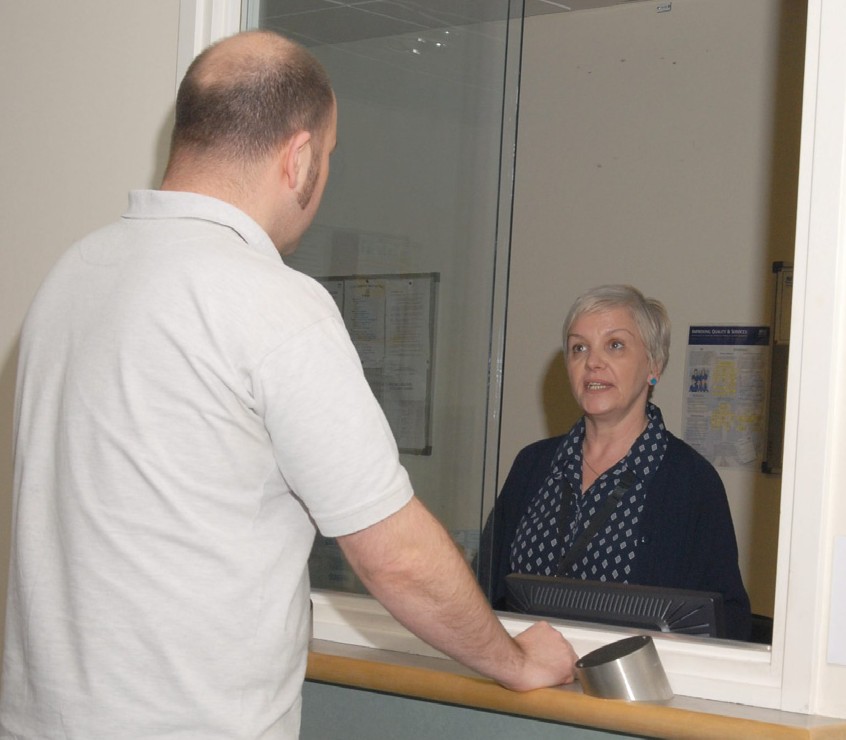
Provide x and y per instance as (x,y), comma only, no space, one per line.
(330,438)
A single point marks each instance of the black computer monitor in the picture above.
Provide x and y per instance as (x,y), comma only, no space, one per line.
(622,604)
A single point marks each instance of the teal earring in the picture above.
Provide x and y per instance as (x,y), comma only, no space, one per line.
(653,381)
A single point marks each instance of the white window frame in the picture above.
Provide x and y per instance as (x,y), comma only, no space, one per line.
(794,674)
(202,22)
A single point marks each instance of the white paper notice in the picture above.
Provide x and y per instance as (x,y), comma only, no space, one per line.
(391,321)
(725,396)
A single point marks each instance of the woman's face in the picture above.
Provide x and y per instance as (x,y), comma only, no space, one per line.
(608,365)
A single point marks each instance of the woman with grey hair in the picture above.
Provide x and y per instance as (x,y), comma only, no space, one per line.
(671,525)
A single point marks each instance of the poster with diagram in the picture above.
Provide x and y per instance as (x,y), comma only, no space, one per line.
(725,394)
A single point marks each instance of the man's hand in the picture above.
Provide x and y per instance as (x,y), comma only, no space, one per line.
(549,660)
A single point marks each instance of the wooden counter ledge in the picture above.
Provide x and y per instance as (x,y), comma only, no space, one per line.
(445,681)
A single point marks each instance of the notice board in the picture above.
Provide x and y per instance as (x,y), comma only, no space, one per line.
(391,320)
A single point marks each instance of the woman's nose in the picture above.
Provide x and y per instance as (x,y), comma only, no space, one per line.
(594,359)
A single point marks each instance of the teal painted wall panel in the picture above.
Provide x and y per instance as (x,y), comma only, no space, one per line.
(336,713)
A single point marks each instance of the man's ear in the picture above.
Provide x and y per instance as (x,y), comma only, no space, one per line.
(297,157)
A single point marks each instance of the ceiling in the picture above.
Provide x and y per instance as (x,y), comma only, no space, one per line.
(321,22)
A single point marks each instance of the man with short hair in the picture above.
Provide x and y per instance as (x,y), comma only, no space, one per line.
(188,409)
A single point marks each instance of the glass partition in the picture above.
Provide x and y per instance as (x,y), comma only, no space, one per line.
(412,235)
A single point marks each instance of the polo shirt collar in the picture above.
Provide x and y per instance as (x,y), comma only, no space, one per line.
(162,204)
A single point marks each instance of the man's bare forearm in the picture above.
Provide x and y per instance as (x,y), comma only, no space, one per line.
(410,564)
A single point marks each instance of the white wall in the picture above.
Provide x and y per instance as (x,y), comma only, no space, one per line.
(658,149)
(87,90)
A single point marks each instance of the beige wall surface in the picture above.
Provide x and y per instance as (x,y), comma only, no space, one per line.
(658,149)
(87,90)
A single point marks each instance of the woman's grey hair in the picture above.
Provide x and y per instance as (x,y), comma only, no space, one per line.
(649,315)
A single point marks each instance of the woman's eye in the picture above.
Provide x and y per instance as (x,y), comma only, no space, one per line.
(616,344)
(576,348)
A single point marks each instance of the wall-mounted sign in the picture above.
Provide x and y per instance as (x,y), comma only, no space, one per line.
(725,394)
(391,319)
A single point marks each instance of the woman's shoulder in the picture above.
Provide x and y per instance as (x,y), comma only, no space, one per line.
(541,445)
(540,450)
(680,449)
(532,461)
(683,459)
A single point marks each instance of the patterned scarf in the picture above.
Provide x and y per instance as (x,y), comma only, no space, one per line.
(538,544)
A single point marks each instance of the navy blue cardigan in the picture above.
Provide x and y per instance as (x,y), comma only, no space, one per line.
(686,537)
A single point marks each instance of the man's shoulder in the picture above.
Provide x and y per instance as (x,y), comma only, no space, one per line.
(187,212)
